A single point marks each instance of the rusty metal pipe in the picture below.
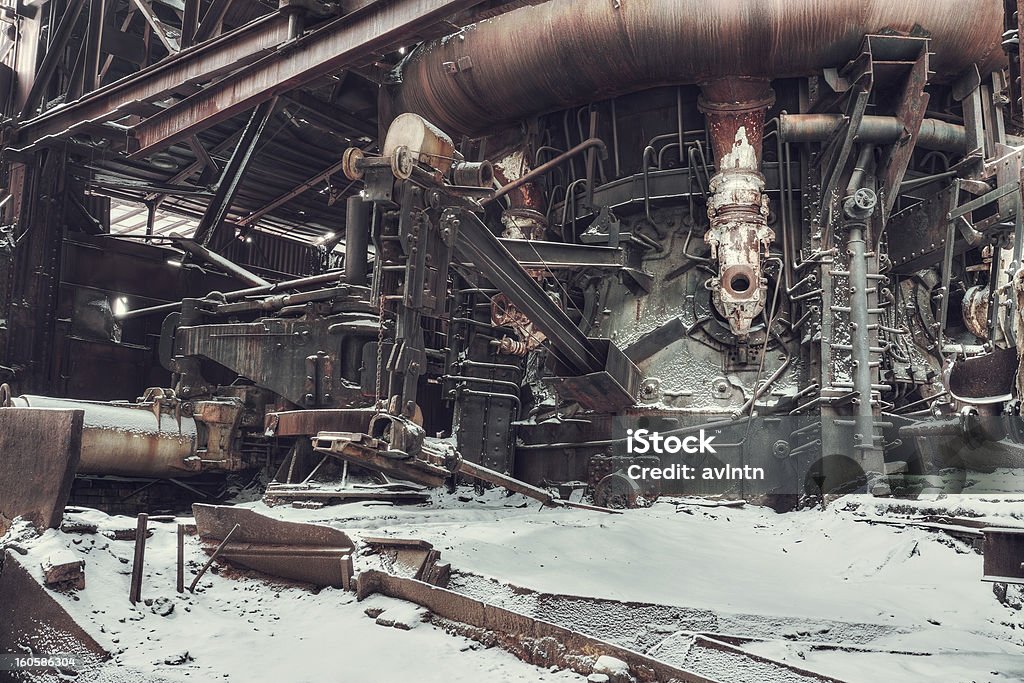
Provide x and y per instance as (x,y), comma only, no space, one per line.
(738,235)
(548,165)
(210,256)
(130,442)
(874,130)
(565,53)
(333,276)
(357,239)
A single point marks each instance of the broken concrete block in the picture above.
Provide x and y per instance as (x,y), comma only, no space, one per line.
(63,570)
(403,617)
(616,670)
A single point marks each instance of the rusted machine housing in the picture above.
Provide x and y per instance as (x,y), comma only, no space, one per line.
(678,216)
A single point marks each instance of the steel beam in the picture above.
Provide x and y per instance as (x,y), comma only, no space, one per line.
(198,64)
(541,254)
(189,26)
(234,171)
(339,43)
(212,20)
(330,115)
(157,26)
(93,45)
(256,215)
(476,244)
(232,268)
(54,55)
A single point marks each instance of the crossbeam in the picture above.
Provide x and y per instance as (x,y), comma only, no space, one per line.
(198,64)
(373,29)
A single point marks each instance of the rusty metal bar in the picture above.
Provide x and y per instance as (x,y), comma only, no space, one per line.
(548,165)
(227,537)
(198,64)
(216,259)
(53,57)
(212,20)
(259,213)
(336,45)
(135,593)
(323,278)
(181,558)
(231,177)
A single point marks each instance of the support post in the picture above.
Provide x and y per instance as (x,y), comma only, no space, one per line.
(357,238)
(181,558)
(135,593)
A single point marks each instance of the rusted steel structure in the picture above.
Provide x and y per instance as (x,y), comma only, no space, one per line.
(793,229)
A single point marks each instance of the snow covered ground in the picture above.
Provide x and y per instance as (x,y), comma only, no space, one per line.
(923,590)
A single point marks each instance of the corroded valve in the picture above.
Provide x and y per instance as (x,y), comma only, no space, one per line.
(739,235)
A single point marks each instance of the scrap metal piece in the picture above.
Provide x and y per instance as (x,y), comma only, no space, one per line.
(213,556)
(311,553)
(1003,551)
(135,591)
(988,378)
(39,454)
(411,558)
(367,451)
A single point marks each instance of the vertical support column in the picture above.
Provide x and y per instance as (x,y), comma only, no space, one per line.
(189,26)
(357,237)
(135,593)
(35,271)
(93,45)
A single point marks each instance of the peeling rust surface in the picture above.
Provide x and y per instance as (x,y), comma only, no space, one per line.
(39,454)
(561,54)
(312,553)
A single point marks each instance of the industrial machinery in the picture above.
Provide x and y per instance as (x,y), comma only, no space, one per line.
(795,228)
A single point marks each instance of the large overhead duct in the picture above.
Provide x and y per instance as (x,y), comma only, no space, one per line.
(568,52)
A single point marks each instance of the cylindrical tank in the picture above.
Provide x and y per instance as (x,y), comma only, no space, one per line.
(130,442)
(564,53)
